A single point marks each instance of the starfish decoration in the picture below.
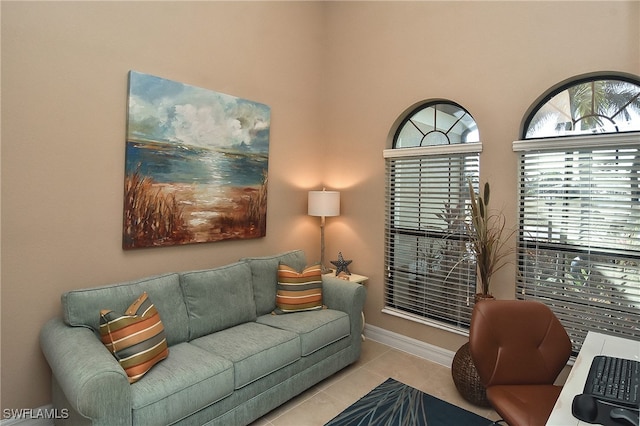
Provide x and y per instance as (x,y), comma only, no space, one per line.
(341,264)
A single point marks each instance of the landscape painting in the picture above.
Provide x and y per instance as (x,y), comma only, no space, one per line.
(196,165)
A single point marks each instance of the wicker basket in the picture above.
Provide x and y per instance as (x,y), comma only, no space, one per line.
(466,378)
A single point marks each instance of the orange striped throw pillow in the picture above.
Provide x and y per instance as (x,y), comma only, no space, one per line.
(136,339)
(298,291)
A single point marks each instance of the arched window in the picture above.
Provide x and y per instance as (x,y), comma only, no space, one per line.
(579,219)
(436,123)
(430,275)
(586,105)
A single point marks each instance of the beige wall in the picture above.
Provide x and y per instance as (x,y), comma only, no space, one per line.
(493,58)
(336,75)
(64,88)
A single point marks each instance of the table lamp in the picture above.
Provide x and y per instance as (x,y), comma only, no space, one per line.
(323,203)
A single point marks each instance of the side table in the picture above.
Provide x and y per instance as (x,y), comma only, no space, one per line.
(354,278)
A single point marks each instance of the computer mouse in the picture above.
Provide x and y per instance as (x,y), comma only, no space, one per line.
(585,408)
(626,415)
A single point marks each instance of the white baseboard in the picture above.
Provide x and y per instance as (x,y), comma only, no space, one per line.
(407,344)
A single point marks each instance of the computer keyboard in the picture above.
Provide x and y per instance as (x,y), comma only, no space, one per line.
(615,380)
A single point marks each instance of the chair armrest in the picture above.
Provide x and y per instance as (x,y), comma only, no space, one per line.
(93,382)
(345,296)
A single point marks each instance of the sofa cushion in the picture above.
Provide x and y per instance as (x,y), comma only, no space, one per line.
(316,329)
(82,307)
(187,381)
(264,271)
(136,339)
(218,298)
(298,291)
(256,350)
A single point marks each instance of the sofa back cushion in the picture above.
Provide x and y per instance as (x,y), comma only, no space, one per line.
(82,307)
(264,271)
(218,298)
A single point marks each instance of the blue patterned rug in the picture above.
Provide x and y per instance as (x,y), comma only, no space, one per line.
(394,404)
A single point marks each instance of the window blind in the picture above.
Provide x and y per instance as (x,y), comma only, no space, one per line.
(430,273)
(579,233)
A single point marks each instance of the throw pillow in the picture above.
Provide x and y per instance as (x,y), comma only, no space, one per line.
(298,291)
(136,339)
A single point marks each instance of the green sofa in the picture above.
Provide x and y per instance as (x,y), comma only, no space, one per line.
(230,359)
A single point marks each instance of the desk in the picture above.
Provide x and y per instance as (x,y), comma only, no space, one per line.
(594,344)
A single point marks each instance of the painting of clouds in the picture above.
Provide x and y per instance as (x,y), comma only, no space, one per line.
(196,165)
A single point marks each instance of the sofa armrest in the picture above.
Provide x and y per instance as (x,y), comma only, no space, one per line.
(93,382)
(345,296)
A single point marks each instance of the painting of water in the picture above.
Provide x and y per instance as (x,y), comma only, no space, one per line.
(196,165)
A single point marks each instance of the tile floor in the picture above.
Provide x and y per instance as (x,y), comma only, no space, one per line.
(377,363)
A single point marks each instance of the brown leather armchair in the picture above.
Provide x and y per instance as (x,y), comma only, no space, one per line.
(519,348)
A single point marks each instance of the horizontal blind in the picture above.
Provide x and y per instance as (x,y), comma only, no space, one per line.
(430,272)
(579,240)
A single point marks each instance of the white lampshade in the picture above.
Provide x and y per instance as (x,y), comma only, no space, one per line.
(324,203)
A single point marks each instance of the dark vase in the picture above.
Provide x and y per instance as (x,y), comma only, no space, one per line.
(479,296)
